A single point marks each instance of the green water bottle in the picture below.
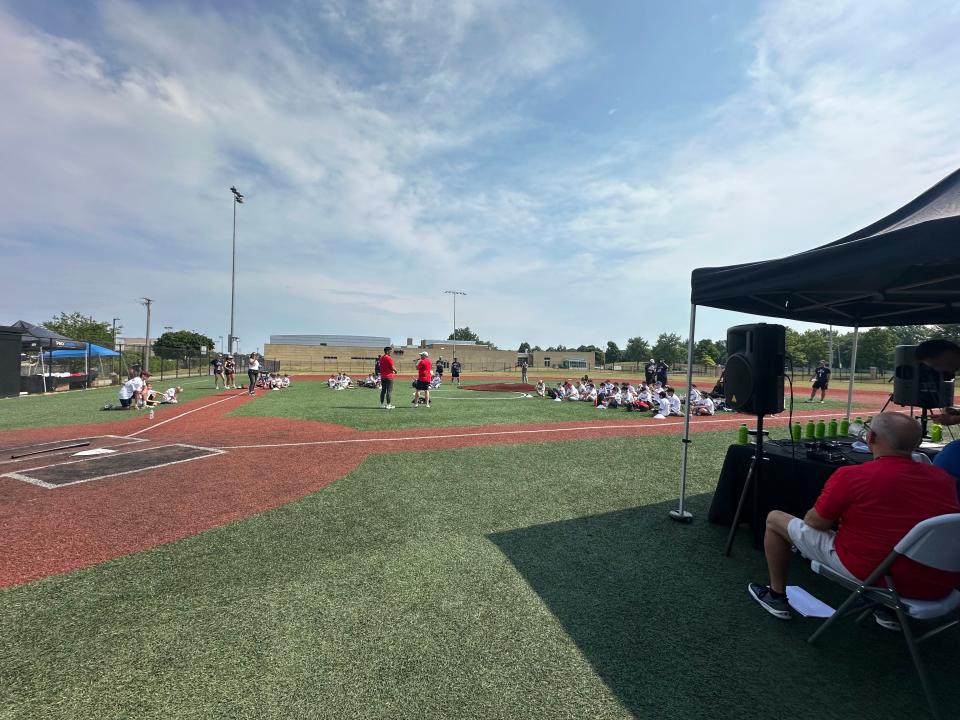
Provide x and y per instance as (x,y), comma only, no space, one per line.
(936,433)
(743,436)
(858,421)
(844,427)
(809,430)
(796,432)
(867,421)
(832,428)
(821,430)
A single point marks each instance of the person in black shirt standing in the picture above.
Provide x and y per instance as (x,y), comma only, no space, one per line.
(217,364)
(650,371)
(455,370)
(821,379)
(662,369)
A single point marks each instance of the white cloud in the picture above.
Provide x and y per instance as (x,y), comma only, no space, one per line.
(382,148)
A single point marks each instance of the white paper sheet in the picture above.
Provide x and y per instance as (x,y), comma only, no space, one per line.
(806,604)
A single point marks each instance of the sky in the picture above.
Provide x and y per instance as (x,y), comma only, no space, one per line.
(565,164)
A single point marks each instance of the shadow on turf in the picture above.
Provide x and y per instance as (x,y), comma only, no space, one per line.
(666,622)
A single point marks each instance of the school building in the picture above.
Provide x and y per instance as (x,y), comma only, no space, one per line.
(357,354)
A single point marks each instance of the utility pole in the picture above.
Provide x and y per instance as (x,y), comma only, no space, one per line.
(146,350)
(454,293)
(115,334)
(237,200)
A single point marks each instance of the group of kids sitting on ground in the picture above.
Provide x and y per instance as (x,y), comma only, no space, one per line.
(660,400)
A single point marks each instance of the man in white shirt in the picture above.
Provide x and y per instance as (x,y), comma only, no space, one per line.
(132,391)
(541,388)
(674,402)
(693,397)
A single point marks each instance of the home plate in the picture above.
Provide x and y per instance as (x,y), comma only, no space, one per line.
(95,451)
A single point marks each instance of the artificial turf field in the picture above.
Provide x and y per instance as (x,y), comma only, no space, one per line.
(536,579)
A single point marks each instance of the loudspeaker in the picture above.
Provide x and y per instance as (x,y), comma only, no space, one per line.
(753,376)
(916,384)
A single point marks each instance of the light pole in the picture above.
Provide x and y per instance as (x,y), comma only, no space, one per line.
(221,343)
(237,199)
(146,341)
(115,334)
(454,293)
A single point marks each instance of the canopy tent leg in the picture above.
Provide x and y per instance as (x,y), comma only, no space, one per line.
(43,370)
(853,368)
(681,515)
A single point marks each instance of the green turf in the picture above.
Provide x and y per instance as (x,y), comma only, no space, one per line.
(78,407)
(528,581)
(359,408)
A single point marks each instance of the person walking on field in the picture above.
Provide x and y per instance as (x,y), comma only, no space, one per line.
(455,371)
(821,381)
(424,376)
(217,364)
(230,370)
(253,372)
(387,373)
(523,371)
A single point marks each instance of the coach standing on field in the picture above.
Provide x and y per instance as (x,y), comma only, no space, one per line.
(387,373)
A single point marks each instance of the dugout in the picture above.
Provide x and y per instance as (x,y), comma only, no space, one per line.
(9,361)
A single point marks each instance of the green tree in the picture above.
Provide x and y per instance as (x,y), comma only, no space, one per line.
(720,348)
(524,347)
(637,350)
(670,348)
(613,354)
(875,348)
(536,348)
(943,332)
(78,326)
(814,346)
(465,334)
(181,343)
(705,350)
(795,348)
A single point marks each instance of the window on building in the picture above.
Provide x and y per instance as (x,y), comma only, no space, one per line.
(546,362)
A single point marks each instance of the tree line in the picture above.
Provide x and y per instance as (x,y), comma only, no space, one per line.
(875,347)
(171,345)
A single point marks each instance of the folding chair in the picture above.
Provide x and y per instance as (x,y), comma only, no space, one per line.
(935,542)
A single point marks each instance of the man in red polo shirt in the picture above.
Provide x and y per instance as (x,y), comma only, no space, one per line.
(387,373)
(874,504)
(424,376)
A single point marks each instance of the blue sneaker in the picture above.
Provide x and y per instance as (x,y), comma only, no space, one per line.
(778,607)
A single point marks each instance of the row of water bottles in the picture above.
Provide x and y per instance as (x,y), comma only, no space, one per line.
(831,430)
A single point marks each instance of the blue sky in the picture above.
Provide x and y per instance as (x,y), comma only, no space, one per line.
(565,164)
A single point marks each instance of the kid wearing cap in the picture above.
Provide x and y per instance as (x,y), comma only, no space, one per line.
(424,376)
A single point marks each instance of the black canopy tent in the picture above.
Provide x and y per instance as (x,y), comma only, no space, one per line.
(901,270)
(37,337)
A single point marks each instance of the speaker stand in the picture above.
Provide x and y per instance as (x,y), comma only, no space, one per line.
(753,478)
(683,517)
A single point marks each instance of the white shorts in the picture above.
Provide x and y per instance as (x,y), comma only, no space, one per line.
(817,545)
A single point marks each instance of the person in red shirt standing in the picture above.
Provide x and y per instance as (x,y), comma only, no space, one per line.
(862,512)
(424,376)
(387,373)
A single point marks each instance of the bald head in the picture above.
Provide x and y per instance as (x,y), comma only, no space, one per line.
(894,434)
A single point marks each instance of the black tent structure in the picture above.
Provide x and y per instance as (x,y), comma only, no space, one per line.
(902,270)
(48,342)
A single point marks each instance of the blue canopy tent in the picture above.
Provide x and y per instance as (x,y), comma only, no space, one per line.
(94,351)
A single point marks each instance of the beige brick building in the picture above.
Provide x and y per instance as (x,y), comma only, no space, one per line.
(357,354)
